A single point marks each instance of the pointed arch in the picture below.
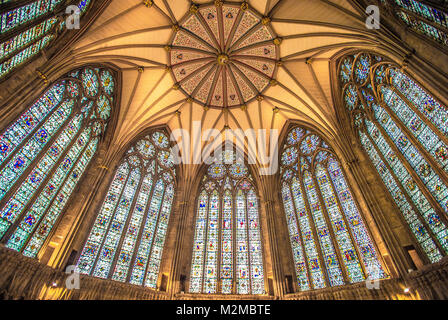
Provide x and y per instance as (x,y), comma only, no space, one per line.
(127,239)
(45,152)
(403,130)
(330,241)
(227,253)
(26,29)
(421,18)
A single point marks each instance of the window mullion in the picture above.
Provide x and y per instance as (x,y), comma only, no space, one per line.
(111,219)
(155,226)
(126,225)
(227,194)
(15,4)
(8,195)
(313,229)
(429,123)
(29,44)
(37,128)
(346,222)
(58,219)
(260,234)
(25,174)
(21,28)
(40,155)
(299,229)
(417,16)
(157,229)
(412,204)
(434,164)
(215,237)
(234,243)
(219,253)
(413,174)
(249,255)
(81,153)
(195,239)
(141,229)
(361,215)
(330,228)
(204,260)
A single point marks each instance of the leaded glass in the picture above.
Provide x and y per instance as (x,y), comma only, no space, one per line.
(15,17)
(36,34)
(197,263)
(227,243)
(217,171)
(330,243)
(127,238)
(289,156)
(44,154)
(227,252)
(421,18)
(403,130)
(238,171)
(309,144)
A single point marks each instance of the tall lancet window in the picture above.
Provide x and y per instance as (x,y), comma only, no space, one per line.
(330,242)
(27,28)
(127,238)
(227,250)
(403,130)
(421,18)
(44,153)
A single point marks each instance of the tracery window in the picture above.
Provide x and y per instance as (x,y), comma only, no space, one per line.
(127,238)
(421,18)
(44,153)
(403,130)
(330,242)
(25,29)
(227,250)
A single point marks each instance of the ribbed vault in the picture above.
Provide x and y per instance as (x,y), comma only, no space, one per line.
(139,38)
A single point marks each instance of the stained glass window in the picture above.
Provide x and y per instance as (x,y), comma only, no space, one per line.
(421,18)
(127,239)
(330,242)
(28,29)
(44,153)
(403,130)
(227,251)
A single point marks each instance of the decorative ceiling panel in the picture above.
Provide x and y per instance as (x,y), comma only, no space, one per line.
(208,30)
(227,64)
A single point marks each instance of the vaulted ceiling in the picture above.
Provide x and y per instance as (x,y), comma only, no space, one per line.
(211,62)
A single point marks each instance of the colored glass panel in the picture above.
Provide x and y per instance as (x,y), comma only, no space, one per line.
(405,141)
(330,243)
(44,155)
(227,250)
(127,239)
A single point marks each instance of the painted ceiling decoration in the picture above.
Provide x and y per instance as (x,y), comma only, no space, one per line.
(223,55)
(226,64)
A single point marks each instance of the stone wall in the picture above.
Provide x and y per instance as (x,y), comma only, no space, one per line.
(22,278)
(429,283)
(25,278)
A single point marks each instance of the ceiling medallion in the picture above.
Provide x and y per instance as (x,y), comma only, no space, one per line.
(223,55)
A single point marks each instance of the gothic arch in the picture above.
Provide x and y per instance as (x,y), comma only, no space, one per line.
(395,232)
(379,95)
(329,236)
(88,94)
(147,166)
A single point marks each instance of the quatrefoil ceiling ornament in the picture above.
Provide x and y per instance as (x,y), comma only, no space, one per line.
(223,55)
